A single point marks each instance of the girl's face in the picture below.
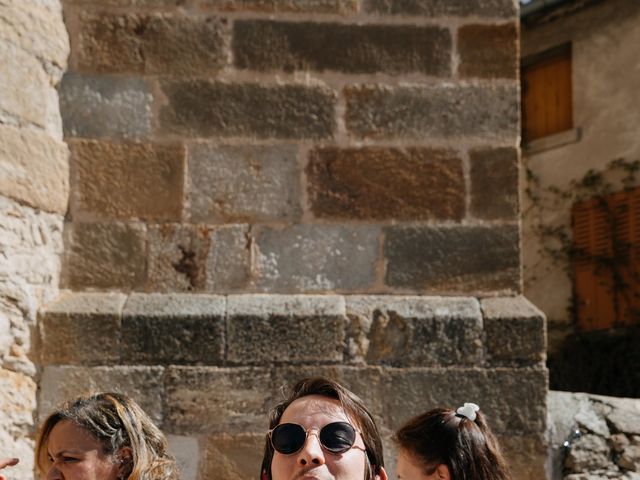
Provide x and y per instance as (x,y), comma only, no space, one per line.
(410,468)
(74,454)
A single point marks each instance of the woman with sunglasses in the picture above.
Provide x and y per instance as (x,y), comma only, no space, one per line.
(322,431)
(106,436)
(446,444)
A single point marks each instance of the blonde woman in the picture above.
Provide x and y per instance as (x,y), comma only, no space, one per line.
(106,436)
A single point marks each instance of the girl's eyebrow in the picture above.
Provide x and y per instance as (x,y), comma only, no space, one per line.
(64,452)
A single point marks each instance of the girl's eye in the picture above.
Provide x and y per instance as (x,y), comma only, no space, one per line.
(69,459)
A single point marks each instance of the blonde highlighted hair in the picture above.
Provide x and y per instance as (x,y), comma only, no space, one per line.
(117,422)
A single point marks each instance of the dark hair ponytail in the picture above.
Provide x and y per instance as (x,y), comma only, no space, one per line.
(467,447)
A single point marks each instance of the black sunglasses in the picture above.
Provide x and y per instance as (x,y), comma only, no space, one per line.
(289,438)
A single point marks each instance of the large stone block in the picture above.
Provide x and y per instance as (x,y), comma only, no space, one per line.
(463,8)
(488,51)
(204,109)
(229,260)
(162,329)
(104,255)
(515,330)
(416,331)
(154,43)
(350,48)
(178,257)
(186,451)
(25,90)
(386,183)
(494,183)
(525,455)
(243,183)
(127,180)
(295,6)
(34,169)
(82,329)
(453,259)
(263,329)
(38,28)
(105,106)
(316,257)
(443,111)
(128,3)
(212,400)
(514,399)
(62,383)
(234,456)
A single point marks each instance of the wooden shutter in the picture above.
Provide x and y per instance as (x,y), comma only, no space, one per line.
(606,233)
(546,94)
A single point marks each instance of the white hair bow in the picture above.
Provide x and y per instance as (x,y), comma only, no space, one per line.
(468,410)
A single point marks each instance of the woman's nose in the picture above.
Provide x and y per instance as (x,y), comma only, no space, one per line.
(311,453)
(54,473)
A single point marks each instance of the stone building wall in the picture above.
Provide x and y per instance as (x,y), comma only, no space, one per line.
(34,189)
(265,190)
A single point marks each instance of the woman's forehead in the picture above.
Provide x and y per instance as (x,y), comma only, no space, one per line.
(314,410)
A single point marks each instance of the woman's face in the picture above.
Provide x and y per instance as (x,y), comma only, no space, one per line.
(74,454)
(409,468)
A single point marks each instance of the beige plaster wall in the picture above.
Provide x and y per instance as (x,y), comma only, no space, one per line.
(606,108)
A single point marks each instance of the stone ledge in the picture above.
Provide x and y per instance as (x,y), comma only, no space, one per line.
(216,330)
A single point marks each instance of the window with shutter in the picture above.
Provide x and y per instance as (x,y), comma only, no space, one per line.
(606,235)
(546,94)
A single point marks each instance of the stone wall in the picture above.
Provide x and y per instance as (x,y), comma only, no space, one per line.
(309,146)
(594,437)
(34,190)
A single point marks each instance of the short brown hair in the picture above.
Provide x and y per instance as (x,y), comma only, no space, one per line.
(353,407)
(466,446)
(116,421)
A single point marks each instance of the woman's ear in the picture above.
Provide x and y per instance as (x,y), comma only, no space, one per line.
(125,462)
(442,472)
(382,475)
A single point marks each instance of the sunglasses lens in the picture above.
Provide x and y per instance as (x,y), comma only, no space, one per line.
(337,437)
(288,438)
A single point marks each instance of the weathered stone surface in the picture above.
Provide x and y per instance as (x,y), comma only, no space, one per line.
(316,257)
(210,400)
(630,458)
(26,95)
(74,328)
(488,51)
(513,399)
(104,255)
(62,383)
(417,331)
(296,6)
(229,260)
(163,329)
(204,109)
(34,169)
(525,455)
(453,259)
(243,183)
(233,456)
(484,8)
(21,447)
(515,330)
(128,3)
(490,112)
(130,180)
(154,43)
(588,453)
(302,328)
(494,183)
(105,106)
(624,416)
(186,451)
(38,28)
(350,48)
(17,403)
(386,183)
(178,257)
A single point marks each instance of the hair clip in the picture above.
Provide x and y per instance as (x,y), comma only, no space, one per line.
(468,410)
